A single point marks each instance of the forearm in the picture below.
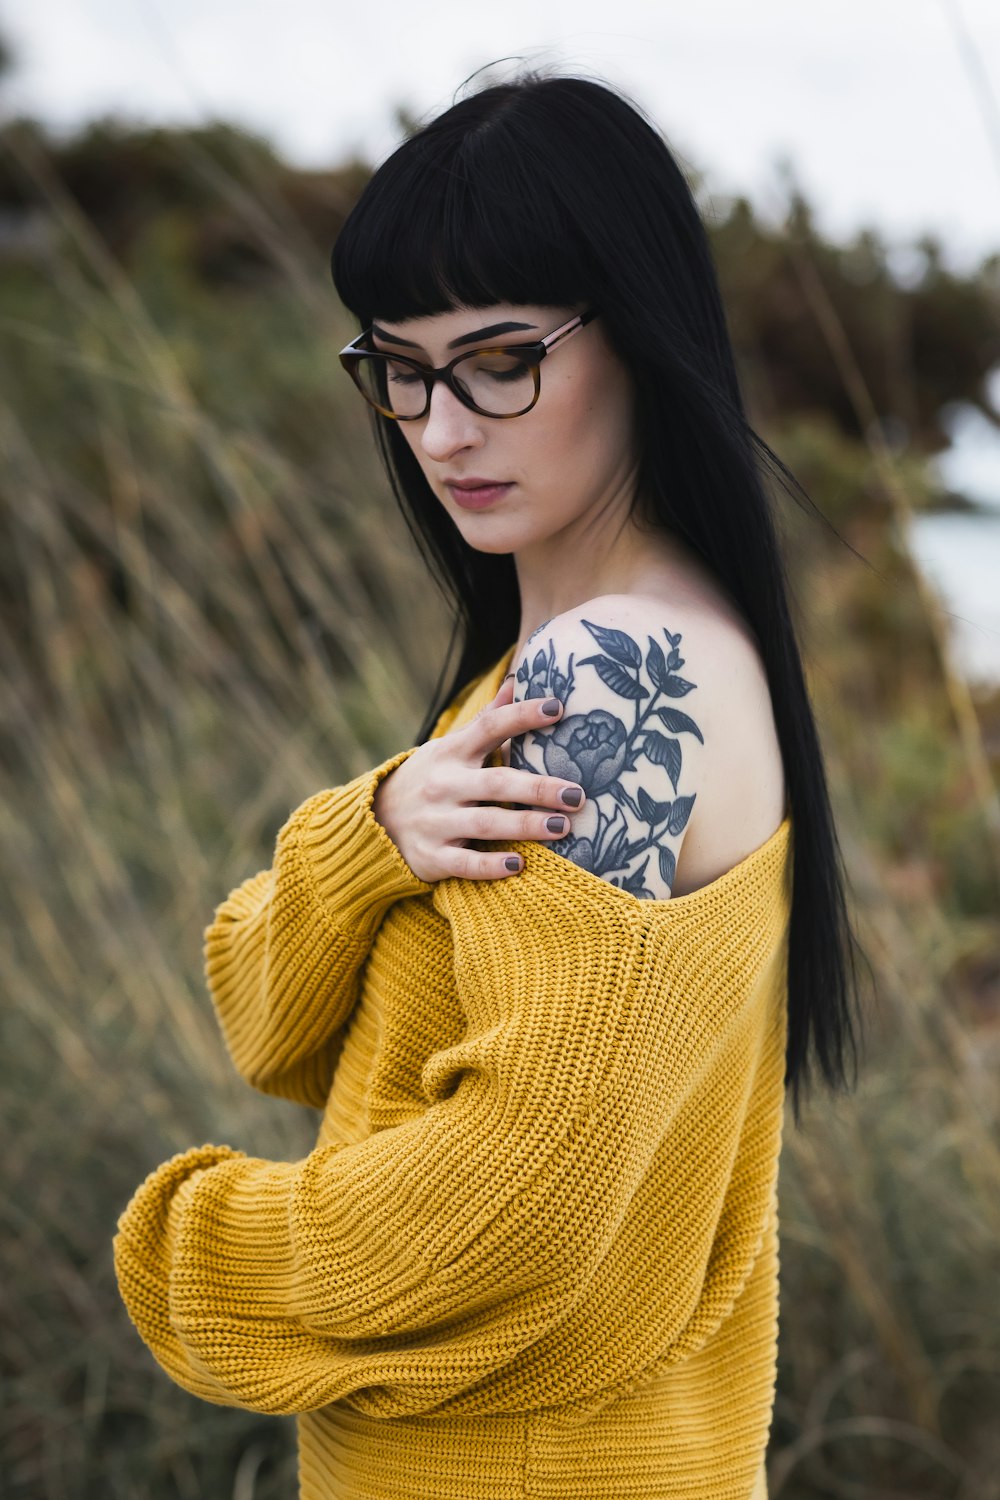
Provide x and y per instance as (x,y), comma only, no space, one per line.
(284,951)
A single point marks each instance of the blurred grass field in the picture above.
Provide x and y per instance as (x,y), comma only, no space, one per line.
(211,608)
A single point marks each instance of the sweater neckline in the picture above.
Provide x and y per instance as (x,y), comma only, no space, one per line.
(756,868)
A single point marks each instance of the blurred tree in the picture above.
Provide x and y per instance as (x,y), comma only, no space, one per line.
(238,210)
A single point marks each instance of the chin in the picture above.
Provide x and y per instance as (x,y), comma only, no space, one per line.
(498,546)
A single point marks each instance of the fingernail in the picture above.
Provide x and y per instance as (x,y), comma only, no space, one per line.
(508,677)
(571,796)
(512,862)
(551,706)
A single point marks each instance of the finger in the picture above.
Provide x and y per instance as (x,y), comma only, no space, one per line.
(493,785)
(489,824)
(505,694)
(477,864)
(502,721)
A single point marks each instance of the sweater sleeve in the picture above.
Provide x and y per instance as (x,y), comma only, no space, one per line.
(284,952)
(502,1249)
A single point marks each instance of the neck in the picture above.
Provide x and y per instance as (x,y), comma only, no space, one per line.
(606,555)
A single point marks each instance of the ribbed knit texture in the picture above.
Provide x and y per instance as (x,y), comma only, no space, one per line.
(534,1251)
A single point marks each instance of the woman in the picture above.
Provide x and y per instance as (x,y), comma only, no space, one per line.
(535,1249)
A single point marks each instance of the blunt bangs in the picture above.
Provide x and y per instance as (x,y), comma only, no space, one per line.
(462,217)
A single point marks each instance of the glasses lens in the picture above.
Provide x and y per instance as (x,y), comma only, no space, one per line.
(502,384)
(392,385)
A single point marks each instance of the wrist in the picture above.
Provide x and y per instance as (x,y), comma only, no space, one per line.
(381,804)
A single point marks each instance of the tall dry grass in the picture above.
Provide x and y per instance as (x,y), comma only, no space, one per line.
(210,610)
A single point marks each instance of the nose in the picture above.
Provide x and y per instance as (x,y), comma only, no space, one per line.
(449,425)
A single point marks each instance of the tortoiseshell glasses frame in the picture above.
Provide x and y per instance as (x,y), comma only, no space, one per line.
(354,354)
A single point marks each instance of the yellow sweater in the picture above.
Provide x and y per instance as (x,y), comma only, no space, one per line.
(534,1251)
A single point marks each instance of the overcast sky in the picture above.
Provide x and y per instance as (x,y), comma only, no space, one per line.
(884,111)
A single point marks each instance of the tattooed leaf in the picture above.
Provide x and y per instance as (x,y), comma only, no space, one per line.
(518,762)
(538,630)
(663,752)
(538,665)
(617,644)
(674,659)
(631,850)
(674,640)
(615,677)
(613,853)
(668,867)
(637,883)
(680,814)
(630,804)
(676,687)
(652,812)
(657,665)
(655,747)
(562,685)
(679,723)
(580,851)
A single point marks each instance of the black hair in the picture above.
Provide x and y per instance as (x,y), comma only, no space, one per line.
(557,191)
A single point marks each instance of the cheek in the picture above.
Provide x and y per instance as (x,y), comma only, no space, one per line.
(593,420)
(565,423)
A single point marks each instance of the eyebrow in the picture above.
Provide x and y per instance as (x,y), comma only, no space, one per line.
(465,338)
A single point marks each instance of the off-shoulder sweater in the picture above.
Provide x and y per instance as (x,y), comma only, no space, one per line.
(534,1250)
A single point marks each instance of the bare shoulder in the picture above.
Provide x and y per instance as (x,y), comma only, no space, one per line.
(742,791)
(667,723)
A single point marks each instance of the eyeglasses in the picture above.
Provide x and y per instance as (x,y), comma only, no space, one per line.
(502,382)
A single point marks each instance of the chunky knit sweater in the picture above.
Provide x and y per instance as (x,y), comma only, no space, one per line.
(534,1251)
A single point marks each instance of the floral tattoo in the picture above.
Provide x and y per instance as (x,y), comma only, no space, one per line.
(597,748)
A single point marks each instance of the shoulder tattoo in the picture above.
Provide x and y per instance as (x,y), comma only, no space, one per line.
(622,745)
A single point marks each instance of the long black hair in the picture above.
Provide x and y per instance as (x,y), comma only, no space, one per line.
(553,191)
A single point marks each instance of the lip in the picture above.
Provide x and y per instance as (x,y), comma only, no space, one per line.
(475,494)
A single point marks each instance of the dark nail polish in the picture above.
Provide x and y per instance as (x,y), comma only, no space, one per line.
(571,796)
(551,706)
(555,824)
(512,862)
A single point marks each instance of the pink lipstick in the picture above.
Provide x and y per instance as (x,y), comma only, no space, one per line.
(472,494)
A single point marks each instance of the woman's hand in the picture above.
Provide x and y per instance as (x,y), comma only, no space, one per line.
(443,795)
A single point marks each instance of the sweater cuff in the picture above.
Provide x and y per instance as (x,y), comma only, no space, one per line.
(143,1250)
(356,869)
